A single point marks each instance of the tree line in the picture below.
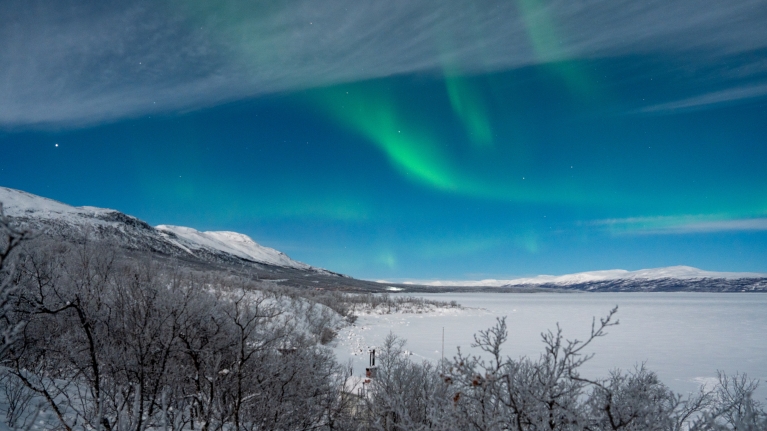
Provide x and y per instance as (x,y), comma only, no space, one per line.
(96,342)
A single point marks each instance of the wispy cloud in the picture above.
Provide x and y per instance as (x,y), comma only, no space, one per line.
(68,63)
(709,99)
(679,225)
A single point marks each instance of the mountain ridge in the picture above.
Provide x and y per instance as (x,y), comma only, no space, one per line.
(235,251)
(64,221)
(679,272)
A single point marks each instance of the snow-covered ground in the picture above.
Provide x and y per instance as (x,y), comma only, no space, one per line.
(354,341)
(684,337)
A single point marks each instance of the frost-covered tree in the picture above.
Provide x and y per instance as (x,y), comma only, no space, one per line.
(404,395)
(496,392)
(111,343)
(10,239)
(137,346)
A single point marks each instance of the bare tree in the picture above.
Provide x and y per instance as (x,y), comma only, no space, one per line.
(405,395)
(501,393)
(10,239)
(734,407)
(115,344)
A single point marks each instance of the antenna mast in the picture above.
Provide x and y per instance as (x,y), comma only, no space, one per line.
(443,344)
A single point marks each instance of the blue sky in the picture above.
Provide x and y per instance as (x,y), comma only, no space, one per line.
(405,140)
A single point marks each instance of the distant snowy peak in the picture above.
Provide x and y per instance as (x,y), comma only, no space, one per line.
(671,272)
(234,243)
(66,221)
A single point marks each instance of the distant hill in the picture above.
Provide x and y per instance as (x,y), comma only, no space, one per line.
(668,279)
(232,251)
(134,238)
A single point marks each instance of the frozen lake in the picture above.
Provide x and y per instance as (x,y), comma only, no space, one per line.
(684,337)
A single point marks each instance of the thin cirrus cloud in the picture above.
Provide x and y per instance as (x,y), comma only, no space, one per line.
(675,225)
(708,100)
(68,63)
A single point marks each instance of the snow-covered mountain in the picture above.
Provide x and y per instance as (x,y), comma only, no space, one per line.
(670,272)
(672,278)
(74,223)
(233,243)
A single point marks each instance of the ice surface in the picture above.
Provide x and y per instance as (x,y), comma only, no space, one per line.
(684,337)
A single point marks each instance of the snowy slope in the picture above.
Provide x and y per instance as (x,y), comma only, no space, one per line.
(65,221)
(17,203)
(234,243)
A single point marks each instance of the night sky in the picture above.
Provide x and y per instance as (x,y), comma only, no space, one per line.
(404,139)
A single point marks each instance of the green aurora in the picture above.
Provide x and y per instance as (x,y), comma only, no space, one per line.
(400,141)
